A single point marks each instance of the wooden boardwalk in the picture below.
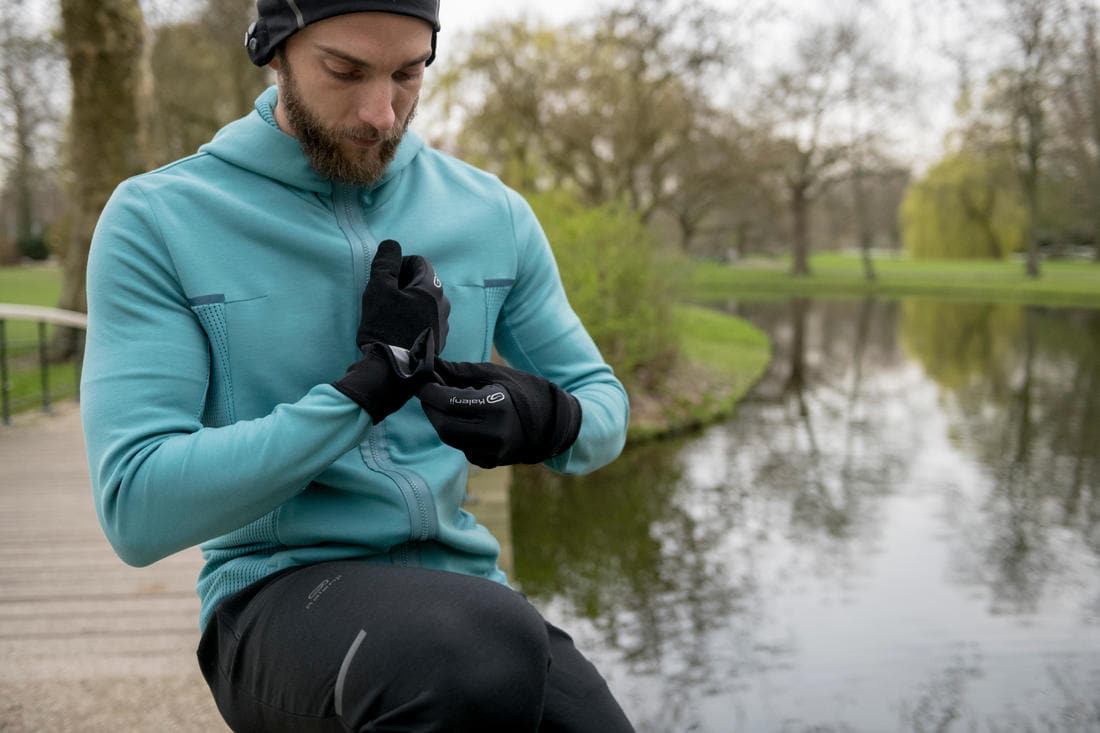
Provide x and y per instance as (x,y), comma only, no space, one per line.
(88,643)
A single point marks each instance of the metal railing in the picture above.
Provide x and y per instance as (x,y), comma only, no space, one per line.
(42,317)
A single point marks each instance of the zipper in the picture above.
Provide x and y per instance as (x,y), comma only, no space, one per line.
(423,522)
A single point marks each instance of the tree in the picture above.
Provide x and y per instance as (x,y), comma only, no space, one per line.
(104,44)
(966,206)
(1016,111)
(604,109)
(1076,148)
(203,79)
(801,102)
(719,199)
(872,88)
(27,62)
(1092,95)
(1033,25)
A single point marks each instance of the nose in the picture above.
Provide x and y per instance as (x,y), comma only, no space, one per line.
(375,104)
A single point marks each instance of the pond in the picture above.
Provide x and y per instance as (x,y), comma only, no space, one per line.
(899,530)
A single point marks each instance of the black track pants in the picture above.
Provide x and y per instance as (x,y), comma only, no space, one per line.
(354,646)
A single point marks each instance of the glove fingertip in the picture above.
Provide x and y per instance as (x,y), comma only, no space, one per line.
(387,259)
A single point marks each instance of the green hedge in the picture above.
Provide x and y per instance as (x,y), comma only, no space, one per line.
(618,281)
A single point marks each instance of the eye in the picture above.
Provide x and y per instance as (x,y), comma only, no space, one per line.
(342,73)
(407,75)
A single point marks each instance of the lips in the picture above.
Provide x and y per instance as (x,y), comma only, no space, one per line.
(365,142)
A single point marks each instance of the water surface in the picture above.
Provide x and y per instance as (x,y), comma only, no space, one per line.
(900,530)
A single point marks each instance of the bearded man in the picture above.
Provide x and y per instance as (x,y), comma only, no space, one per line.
(288,362)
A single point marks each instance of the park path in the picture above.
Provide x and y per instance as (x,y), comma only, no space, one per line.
(87,643)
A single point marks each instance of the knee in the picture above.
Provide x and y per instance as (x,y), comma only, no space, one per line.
(471,658)
(495,667)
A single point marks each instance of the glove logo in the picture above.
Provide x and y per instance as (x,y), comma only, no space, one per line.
(495,397)
(437,282)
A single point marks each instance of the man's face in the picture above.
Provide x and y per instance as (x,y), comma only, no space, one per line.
(348,88)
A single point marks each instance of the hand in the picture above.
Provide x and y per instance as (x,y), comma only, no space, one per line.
(402,298)
(387,376)
(497,415)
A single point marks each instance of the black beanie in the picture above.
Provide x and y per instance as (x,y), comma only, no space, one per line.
(280,19)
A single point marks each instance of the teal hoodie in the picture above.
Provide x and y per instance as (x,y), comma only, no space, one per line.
(223,299)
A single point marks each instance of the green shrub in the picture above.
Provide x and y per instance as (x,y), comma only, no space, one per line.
(34,247)
(618,281)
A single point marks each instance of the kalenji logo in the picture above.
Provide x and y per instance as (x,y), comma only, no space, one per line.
(437,282)
(492,399)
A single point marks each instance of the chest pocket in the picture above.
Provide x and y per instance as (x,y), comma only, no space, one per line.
(213,312)
(475,310)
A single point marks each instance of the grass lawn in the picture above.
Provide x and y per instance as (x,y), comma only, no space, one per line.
(32,285)
(841,275)
(722,357)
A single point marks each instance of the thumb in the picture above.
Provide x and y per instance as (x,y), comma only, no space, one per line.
(387,262)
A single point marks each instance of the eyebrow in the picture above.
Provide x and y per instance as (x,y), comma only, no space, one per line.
(354,61)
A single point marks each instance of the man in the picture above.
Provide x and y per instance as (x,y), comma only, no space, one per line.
(344,588)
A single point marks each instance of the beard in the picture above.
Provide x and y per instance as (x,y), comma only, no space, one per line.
(326,148)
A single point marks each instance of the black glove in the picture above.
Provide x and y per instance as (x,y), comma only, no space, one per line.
(387,376)
(403,297)
(497,415)
(401,329)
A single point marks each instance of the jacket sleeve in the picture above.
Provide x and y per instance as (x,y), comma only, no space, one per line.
(539,332)
(161,481)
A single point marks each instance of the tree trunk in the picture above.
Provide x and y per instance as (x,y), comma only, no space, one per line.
(688,230)
(21,180)
(24,177)
(1092,53)
(1033,118)
(863,222)
(226,21)
(104,44)
(800,215)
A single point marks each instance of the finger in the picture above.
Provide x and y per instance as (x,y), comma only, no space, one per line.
(461,373)
(387,262)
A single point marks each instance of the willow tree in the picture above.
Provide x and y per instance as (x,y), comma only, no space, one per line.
(104,44)
(967,206)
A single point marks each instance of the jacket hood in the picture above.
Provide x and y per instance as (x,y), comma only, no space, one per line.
(256,144)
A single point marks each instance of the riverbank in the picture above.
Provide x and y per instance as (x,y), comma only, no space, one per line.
(841,276)
(721,358)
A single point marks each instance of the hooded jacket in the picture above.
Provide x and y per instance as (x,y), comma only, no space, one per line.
(223,299)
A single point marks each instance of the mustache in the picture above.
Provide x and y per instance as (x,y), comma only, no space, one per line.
(370,133)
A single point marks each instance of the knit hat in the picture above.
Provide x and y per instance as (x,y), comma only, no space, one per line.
(280,19)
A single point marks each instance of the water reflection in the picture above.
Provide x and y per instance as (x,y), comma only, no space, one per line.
(1024,399)
(899,531)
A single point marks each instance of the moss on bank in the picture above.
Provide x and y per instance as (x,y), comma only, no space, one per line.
(721,358)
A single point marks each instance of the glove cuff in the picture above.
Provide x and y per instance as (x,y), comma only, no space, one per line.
(567,421)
